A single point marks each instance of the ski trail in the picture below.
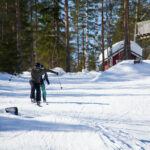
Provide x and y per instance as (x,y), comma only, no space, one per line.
(114,142)
(116,134)
(119,138)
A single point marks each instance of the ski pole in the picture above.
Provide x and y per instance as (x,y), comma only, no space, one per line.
(59,82)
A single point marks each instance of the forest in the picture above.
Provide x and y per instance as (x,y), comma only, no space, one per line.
(70,34)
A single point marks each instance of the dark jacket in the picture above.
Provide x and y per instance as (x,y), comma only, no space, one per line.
(36,74)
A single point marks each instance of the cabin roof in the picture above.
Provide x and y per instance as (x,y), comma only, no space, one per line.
(135,49)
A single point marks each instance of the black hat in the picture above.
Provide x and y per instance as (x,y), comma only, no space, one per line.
(37,65)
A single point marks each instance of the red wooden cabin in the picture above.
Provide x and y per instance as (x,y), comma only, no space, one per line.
(118,53)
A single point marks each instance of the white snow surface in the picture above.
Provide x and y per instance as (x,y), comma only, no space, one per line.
(93,111)
(115,47)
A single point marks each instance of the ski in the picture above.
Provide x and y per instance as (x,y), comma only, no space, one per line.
(45,103)
(39,104)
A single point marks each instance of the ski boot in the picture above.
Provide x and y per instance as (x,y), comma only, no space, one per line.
(33,100)
(39,104)
(44,100)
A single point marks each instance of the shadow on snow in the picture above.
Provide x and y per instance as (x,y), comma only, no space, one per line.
(16,124)
(80,103)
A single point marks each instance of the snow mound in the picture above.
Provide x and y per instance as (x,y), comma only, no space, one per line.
(59,70)
(85,71)
(124,71)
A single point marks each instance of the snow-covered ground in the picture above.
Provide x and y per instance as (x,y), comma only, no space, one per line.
(93,111)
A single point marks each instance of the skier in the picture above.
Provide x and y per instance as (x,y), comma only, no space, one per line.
(36,74)
(42,79)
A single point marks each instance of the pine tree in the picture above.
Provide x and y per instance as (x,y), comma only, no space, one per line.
(8,46)
(87,37)
(67,37)
(50,46)
(97,51)
(126,30)
(15,38)
(102,37)
(109,28)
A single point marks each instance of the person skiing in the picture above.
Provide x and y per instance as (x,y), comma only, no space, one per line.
(36,74)
(42,79)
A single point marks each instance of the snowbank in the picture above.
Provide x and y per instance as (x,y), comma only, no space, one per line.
(125,71)
(94,111)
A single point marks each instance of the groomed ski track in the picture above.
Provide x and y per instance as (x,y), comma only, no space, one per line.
(93,111)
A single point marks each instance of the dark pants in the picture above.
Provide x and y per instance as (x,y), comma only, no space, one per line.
(35,87)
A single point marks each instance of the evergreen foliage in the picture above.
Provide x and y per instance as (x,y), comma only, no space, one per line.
(8,49)
(33,31)
(50,46)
